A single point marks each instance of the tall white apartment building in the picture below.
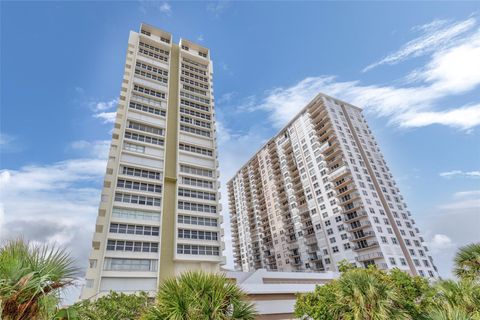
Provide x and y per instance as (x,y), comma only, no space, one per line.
(159,213)
(320,192)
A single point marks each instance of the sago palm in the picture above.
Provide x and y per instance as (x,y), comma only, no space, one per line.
(31,277)
(362,295)
(200,296)
(467,262)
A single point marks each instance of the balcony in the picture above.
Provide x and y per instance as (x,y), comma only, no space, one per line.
(291,240)
(381,266)
(365,235)
(297,262)
(339,172)
(359,226)
(294,254)
(349,198)
(353,207)
(362,246)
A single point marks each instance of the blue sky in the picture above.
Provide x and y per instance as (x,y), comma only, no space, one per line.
(414,67)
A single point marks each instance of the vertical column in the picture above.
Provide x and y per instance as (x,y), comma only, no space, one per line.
(393,224)
(167,240)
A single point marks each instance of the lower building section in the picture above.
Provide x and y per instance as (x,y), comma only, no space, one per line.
(274,293)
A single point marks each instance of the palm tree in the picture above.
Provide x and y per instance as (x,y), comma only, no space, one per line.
(31,277)
(456,299)
(467,262)
(200,295)
(363,295)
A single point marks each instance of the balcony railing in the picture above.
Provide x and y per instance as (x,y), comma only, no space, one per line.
(365,235)
(339,172)
(370,244)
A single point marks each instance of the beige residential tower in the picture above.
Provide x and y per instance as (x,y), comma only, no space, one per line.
(159,213)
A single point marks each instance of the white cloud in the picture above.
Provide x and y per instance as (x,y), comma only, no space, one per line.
(443,236)
(436,35)
(226,97)
(460,174)
(451,71)
(469,199)
(107,117)
(105,105)
(164,7)
(467,194)
(463,118)
(55,203)
(440,242)
(217,7)
(9,143)
(97,149)
(100,110)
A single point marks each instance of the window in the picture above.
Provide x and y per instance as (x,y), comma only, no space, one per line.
(143,138)
(136,199)
(144,108)
(198,250)
(197,182)
(134,229)
(200,221)
(197,234)
(194,105)
(195,113)
(149,92)
(196,194)
(135,214)
(197,131)
(190,148)
(153,52)
(199,207)
(117,264)
(196,171)
(145,128)
(133,147)
(130,171)
(135,185)
(134,246)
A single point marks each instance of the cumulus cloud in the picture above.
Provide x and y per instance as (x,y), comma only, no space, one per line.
(440,242)
(55,203)
(163,7)
(435,35)
(460,174)
(417,102)
(100,110)
(216,8)
(443,236)
(107,117)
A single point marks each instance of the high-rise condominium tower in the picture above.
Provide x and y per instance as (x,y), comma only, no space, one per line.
(159,210)
(319,192)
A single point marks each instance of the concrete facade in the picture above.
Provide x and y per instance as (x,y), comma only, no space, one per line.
(159,213)
(319,192)
(274,293)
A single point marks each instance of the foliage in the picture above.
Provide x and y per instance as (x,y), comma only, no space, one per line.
(199,295)
(467,262)
(31,277)
(457,299)
(358,294)
(114,306)
(415,293)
